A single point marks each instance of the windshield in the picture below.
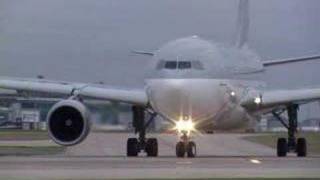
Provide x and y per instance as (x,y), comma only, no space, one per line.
(184,65)
(170,65)
(179,65)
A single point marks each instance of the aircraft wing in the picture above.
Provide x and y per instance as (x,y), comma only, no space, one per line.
(267,63)
(275,99)
(270,100)
(132,96)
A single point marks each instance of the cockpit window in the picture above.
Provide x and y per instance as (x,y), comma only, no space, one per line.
(184,65)
(170,65)
(179,65)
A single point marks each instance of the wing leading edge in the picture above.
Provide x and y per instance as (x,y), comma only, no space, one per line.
(132,96)
(290,60)
(277,98)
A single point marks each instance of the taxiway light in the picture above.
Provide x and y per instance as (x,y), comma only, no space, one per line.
(255,161)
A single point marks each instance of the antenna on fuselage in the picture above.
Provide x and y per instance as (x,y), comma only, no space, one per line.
(243,22)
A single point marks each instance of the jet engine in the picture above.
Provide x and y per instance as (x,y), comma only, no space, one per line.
(68,122)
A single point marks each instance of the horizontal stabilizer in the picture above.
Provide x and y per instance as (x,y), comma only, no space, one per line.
(143,53)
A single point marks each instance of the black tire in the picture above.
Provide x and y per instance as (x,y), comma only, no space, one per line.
(191,149)
(180,149)
(132,147)
(301,147)
(152,147)
(282,147)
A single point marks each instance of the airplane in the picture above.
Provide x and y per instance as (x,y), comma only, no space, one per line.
(196,84)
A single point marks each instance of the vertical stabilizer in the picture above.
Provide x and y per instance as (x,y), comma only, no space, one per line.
(243,22)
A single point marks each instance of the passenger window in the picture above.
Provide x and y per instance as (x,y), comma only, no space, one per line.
(184,65)
(171,65)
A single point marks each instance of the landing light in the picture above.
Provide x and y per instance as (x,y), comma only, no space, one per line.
(232,93)
(257,100)
(184,126)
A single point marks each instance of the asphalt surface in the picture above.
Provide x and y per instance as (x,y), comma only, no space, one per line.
(103,156)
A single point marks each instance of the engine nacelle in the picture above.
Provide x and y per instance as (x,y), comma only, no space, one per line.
(68,122)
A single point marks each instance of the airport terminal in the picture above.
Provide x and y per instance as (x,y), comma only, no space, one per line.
(159,90)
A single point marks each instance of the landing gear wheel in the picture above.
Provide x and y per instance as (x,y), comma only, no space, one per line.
(301,147)
(282,147)
(180,149)
(132,147)
(152,147)
(191,149)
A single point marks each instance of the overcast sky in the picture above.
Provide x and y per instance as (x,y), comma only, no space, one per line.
(91,40)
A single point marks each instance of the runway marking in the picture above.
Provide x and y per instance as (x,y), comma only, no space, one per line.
(255,161)
(183,162)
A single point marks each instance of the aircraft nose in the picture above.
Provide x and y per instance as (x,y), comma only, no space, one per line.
(169,98)
(177,98)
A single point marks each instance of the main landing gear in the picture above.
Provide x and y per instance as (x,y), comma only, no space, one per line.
(137,145)
(291,144)
(184,146)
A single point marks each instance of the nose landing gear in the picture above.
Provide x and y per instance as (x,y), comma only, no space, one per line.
(185,146)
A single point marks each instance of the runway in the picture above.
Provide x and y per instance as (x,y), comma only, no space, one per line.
(102,156)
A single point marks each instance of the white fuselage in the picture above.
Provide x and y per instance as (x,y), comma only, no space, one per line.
(211,95)
(210,103)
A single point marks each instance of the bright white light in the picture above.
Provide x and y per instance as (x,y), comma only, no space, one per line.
(255,161)
(184,125)
(257,100)
(232,93)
